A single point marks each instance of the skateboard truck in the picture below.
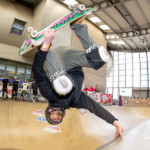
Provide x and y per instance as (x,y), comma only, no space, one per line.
(77,8)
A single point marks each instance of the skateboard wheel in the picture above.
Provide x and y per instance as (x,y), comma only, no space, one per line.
(81,7)
(34,33)
(70,6)
(30,29)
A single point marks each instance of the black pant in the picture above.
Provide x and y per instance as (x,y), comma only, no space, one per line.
(35,92)
(14,92)
(4,90)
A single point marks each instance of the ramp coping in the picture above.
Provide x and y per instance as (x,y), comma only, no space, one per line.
(123,135)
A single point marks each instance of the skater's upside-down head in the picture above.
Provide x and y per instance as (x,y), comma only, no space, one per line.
(54,115)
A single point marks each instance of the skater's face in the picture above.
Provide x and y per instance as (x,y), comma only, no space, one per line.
(14,79)
(25,81)
(5,77)
(34,82)
(56,116)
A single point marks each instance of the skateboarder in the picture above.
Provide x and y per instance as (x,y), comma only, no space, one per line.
(61,80)
(15,87)
(5,84)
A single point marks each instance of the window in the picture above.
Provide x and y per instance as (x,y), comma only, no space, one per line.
(122,67)
(143,65)
(128,56)
(128,72)
(109,84)
(2,68)
(121,73)
(18,27)
(136,66)
(28,72)
(11,70)
(136,84)
(21,72)
(128,66)
(115,84)
(121,84)
(122,78)
(129,84)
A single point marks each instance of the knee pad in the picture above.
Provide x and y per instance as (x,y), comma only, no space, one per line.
(97,56)
(61,82)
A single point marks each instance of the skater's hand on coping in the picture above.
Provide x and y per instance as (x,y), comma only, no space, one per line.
(49,35)
(119,130)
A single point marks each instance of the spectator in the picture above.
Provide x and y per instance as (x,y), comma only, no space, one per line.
(91,88)
(24,90)
(35,92)
(85,89)
(96,89)
(15,87)
(5,84)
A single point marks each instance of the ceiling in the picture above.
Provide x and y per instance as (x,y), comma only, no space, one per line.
(126,23)
(28,2)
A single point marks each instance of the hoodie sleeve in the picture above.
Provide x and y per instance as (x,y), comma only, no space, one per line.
(40,75)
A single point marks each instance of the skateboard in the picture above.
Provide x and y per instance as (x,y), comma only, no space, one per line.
(36,38)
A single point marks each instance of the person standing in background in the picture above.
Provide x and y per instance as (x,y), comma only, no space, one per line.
(35,91)
(96,89)
(5,84)
(85,89)
(24,90)
(15,87)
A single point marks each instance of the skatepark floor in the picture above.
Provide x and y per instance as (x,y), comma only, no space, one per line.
(20,130)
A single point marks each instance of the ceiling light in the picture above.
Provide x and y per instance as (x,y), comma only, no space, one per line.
(104,27)
(112,37)
(107,36)
(117,37)
(117,42)
(95,19)
(72,2)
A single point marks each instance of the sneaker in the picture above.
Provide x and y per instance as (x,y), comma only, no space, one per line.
(33,101)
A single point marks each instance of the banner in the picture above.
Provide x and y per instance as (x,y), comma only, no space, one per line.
(106,98)
(9,91)
(94,95)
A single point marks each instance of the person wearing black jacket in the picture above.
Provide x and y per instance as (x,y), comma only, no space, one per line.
(5,84)
(15,87)
(74,98)
(35,90)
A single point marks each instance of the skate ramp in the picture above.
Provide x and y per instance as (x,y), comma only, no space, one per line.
(138,138)
(20,130)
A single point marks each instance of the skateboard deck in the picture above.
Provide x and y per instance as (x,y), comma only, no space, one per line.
(31,42)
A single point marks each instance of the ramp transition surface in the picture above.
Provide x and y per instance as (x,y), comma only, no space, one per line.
(20,130)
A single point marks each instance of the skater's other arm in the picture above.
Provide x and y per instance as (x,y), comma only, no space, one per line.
(89,104)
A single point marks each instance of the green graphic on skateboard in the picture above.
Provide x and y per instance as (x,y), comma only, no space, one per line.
(36,38)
